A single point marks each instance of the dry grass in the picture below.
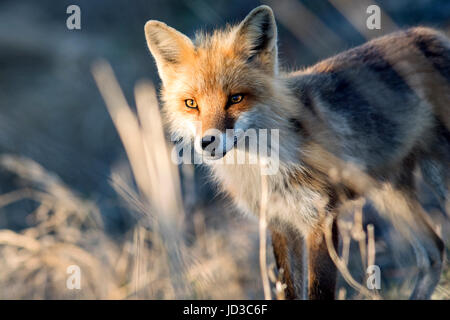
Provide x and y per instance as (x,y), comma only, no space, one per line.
(155,260)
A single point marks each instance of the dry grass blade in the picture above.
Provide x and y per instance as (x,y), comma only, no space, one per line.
(370,245)
(8,237)
(125,121)
(262,238)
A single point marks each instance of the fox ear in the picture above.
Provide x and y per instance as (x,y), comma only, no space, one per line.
(168,46)
(257,37)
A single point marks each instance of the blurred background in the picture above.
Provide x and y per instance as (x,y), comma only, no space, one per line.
(62,161)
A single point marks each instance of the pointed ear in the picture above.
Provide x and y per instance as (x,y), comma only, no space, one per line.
(168,46)
(257,37)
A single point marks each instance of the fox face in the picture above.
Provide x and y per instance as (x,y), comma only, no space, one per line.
(216,87)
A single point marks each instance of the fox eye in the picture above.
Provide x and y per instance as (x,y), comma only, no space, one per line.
(236,98)
(190,103)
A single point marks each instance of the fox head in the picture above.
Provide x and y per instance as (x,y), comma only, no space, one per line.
(224,80)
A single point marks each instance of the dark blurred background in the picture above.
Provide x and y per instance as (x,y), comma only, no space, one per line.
(51,110)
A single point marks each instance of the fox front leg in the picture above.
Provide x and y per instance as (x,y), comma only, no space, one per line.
(322,272)
(289,252)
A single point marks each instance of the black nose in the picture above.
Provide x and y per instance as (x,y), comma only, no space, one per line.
(207,140)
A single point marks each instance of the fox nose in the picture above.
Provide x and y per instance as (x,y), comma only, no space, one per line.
(207,140)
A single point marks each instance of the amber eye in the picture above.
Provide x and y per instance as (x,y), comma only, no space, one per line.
(236,98)
(190,103)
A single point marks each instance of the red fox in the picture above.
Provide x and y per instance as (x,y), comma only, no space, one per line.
(354,125)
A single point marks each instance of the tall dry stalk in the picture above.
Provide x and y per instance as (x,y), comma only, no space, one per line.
(262,238)
(154,173)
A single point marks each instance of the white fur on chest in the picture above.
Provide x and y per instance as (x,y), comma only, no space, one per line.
(288,203)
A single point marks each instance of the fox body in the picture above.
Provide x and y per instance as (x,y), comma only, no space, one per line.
(357,124)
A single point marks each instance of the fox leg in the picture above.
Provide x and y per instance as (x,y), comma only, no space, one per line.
(400,202)
(436,175)
(322,272)
(281,253)
(289,256)
(429,249)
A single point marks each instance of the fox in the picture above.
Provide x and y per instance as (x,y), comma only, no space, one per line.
(365,123)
